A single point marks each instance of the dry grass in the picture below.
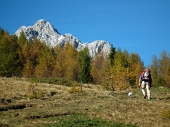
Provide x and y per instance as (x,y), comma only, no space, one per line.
(18,110)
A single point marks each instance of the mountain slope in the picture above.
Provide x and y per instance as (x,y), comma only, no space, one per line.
(45,32)
(58,106)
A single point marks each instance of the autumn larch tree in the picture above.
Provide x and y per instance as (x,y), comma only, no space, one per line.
(45,61)
(71,62)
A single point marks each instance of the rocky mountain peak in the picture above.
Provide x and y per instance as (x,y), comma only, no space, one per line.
(44,26)
(46,32)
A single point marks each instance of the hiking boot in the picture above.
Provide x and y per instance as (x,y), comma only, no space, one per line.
(144,96)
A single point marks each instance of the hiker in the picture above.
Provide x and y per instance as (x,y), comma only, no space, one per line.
(145,81)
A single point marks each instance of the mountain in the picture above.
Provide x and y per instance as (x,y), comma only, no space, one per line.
(46,32)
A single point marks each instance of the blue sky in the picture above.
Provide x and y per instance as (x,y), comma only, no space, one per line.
(139,26)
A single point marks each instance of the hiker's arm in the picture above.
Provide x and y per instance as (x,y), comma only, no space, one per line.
(139,81)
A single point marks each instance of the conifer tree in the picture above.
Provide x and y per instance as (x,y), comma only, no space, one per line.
(26,53)
(165,68)
(85,66)
(154,68)
(119,77)
(28,70)
(22,39)
(112,55)
(59,67)
(136,66)
(45,61)
(118,57)
(121,58)
(125,57)
(71,62)
(35,49)
(97,68)
(9,56)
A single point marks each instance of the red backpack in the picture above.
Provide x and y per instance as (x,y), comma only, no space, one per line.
(146,75)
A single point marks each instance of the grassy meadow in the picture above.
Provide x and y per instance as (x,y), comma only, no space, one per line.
(25,103)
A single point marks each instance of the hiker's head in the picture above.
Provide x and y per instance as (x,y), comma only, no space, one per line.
(146,69)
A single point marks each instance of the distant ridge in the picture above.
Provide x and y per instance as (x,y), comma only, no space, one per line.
(45,32)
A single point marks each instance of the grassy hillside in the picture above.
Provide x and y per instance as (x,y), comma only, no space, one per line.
(28,104)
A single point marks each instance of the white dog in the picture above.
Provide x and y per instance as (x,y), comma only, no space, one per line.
(130,94)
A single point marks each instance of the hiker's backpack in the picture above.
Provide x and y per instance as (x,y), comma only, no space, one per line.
(146,75)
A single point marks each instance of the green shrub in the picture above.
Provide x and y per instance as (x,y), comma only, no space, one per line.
(75,89)
(33,92)
(107,86)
